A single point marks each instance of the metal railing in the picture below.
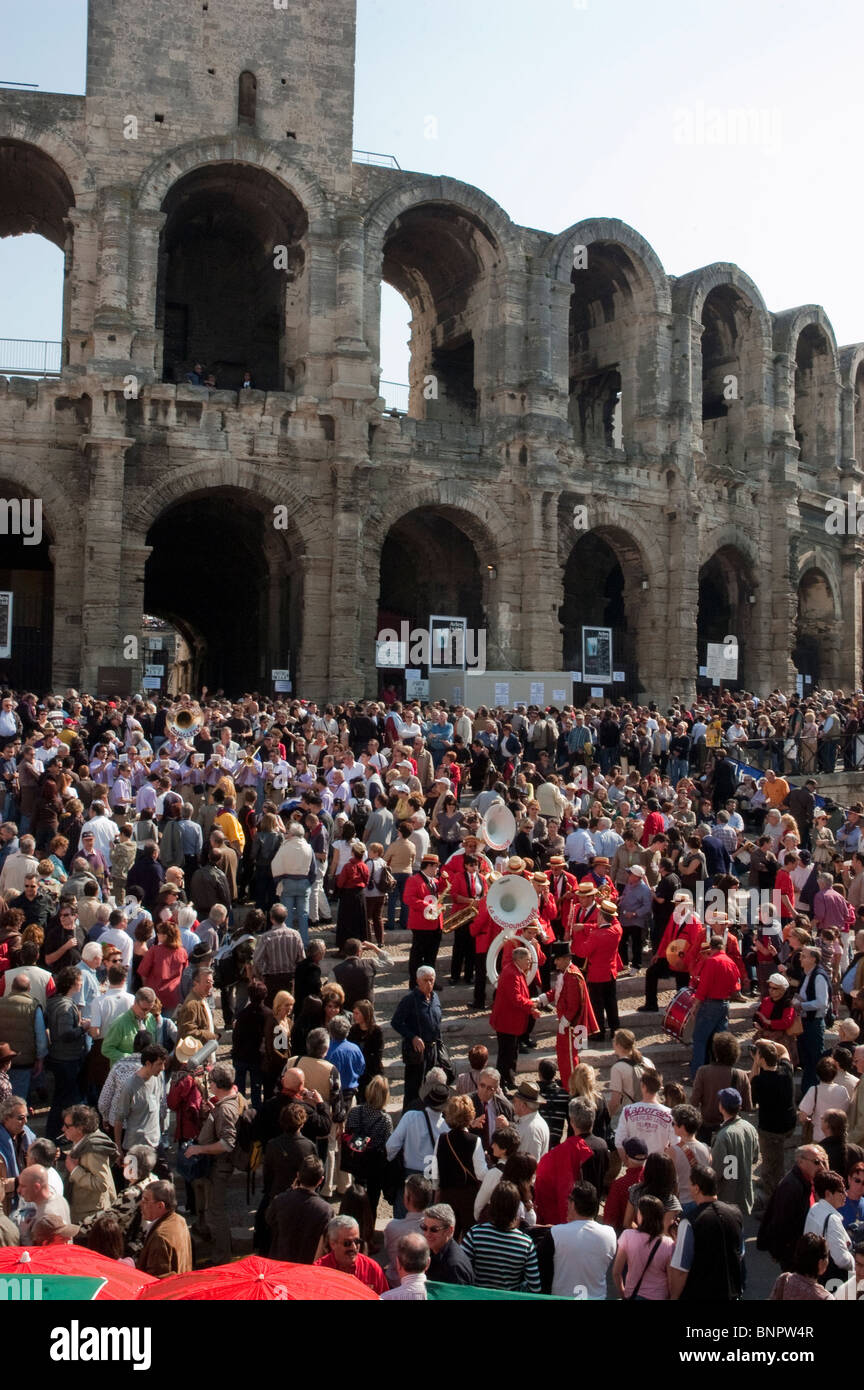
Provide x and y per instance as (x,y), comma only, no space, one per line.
(396,395)
(30,357)
(389,161)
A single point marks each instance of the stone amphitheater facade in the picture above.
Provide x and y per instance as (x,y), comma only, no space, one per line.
(208,205)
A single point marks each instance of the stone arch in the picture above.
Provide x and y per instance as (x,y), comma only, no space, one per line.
(237,148)
(819,618)
(446,249)
(805,338)
(32,570)
(729,565)
(851,364)
(67,154)
(690,291)
(484,523)
(617,290)
(308,525)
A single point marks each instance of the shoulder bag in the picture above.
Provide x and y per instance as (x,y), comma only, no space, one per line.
(629,1297)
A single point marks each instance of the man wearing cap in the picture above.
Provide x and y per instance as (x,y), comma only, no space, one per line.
(423,889)
(484,930)
(532,1129)
(849,835)
(576,1020)
(467,888)
(718,983)
(634,914)
(734,1152)
(511,1012)
(601,954)
(682,928)
(598,875)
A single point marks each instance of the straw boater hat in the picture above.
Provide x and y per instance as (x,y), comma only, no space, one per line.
(557,862)
(607,907)
(599,859)
(586,890)
(187,1049)
(541,880)
(430,859)
(515,865)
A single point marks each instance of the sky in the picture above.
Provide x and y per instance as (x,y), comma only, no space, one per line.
(722,130)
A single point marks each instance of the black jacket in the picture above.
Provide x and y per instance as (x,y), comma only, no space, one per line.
(783,1222)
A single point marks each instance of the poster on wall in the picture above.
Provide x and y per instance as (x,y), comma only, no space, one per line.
(597,654)
(447,643)
(5,623)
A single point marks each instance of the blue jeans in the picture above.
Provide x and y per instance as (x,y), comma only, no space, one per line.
(295,898)
(678,769)
(713,1017)
(397,895)
(811,1045)
(67,1091)
(19,1080)
(608,756)
(256,1081)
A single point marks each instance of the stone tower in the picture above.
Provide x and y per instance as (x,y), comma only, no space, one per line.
(209,209)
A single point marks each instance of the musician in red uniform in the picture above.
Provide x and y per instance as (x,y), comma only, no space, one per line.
(719,924)
(563,886)
(511,1012)
(717,984)
(683,939)
(484,932)
(582,919)
(425,932)
(601,951)
(569,995)
(467,886)
(598,874)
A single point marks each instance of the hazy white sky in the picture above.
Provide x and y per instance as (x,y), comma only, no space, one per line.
(720,129)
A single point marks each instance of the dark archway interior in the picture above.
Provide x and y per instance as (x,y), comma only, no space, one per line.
(813,392)
(719,349)
(35,194)
(27,572)
(816,625)
(724,588)
(434,256)
(603,292)
(594,596)
(222,296)
(429,567)
(208,575)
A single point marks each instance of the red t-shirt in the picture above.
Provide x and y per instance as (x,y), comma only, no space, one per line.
(718,978)
(616,1202)
(366,1270)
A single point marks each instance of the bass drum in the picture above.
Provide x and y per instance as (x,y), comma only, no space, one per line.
(498,947)
(680,1016)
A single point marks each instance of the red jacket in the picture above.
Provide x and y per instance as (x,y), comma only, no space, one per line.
(692,932)
(560,882)
(484,930)
(456,874)
(418,890)
(547,914)
(557,1171)
(654,825)
(718,978)
(573,1002)
(601,952)
(582,922)
(513,1006)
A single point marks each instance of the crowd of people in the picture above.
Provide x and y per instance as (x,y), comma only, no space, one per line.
(152,853)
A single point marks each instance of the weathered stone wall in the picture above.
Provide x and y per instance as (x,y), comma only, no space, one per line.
(528,338)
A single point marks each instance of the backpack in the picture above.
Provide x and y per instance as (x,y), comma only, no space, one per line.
(248,1152)
(361,813)
(385,882)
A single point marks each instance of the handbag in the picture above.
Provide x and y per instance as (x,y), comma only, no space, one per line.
(355,1152)
(796,1027)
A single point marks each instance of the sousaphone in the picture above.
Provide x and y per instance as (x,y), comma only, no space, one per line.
(513,904)
(498,828)
(185,723)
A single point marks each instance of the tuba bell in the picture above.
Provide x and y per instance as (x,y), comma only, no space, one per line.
(184,723)
(512,902)
(499,827)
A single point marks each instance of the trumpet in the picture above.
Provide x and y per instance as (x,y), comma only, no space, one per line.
(454,917)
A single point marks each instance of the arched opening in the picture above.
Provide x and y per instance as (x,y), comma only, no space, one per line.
(726,595)
(230,584)
(27,573)
(35,200)
(231,277)
(439,258)
(730,358)
(609,294)
(859,414)
(814,415)
(247,98)
(603,587)
(431,567)
(817,636)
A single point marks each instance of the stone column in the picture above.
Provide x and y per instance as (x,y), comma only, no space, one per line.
(312,663)
(347,590)
(349,282)
(102,643)
(678,655)
(851,622)
(143,289)
(66,557)
(542,585)
(112,332)
(131,606)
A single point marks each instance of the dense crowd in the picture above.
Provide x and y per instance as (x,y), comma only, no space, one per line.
(152,853)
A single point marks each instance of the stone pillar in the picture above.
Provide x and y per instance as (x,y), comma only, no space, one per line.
(112,333)
(679,659)
(347,589)
(542,584)
(143,288)
(66,558)
(79,290)
(850,669)
(349,282)
(131,606)
(312,663)
(103,552)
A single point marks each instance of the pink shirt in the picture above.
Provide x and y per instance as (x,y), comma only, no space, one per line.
(636,1247)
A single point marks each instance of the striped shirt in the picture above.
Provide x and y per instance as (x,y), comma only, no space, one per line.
(502,1259)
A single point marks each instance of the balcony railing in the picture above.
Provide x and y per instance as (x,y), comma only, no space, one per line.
(389,161)
(29,357)
(395,394)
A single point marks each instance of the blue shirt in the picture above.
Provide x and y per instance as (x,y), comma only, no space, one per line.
(348,1061)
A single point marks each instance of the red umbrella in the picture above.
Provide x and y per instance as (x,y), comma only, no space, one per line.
(256,1280)
(117,1281)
